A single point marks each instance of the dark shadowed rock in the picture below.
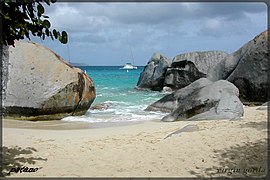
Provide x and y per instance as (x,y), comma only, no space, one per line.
(204,60)
(153,74)
(247,68)
(41,85)
(202,100)
(181,74)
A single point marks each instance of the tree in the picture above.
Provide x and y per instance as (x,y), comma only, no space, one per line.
(20,17)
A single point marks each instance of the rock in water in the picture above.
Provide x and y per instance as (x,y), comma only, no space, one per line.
(247,69)
(153,74)
(200,100)
(181,74)
(101,106)
(41,85)
(204,60)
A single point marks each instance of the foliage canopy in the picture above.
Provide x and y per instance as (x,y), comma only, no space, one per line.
(20,17)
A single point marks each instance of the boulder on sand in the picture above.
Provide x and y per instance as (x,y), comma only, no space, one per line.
(40,85)
(247,68)
(170,102)
(153,74)
(200,100)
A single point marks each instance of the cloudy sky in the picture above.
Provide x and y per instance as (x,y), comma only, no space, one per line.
(104,33)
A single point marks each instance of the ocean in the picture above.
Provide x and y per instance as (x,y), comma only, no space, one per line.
(116,88)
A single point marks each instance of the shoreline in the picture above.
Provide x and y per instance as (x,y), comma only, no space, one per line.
(62,125)
(140,150)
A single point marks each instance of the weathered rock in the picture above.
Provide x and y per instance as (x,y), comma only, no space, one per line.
(247,69)
(41,85)
(166,90)
(204,60)
(101,106)
(153,74)
(170,102)
(181,74)
(202,100)
(264,106)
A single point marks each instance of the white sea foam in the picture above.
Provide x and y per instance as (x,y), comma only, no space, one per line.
(115,88)
(133,113)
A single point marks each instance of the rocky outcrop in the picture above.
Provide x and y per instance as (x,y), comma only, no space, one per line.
(203,60)
(185,69)
(201,100)
(170,102)
(247,69)
(153,74)
(101,106)
(41,85)
(181,74)
(264,106)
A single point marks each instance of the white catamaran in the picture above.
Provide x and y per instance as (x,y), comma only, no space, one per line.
(128,66)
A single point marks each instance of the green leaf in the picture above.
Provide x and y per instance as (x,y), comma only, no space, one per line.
(51,35)
(64,37)
(47,32)
(40,9)
(46,24)
(47,2)
(55,33)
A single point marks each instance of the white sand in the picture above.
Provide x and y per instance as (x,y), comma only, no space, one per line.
(140,150)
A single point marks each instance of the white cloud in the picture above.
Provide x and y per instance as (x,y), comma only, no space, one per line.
(213,24)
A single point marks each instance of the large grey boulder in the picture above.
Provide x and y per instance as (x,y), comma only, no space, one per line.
(202,100)
(203,60)
(153,74)
(170,102)
(181,74)
(247,68)
(40,85)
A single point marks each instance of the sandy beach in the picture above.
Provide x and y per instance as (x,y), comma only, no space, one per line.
(236,148)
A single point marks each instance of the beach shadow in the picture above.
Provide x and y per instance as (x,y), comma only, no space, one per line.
(14,157)
(257,125)
(249,160)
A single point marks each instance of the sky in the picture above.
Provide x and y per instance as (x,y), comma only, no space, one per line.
(103,34)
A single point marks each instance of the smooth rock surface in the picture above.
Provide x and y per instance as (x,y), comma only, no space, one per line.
(181,74)
(203,60)
(247,68)
(201,100)
(170,102)
(42,86)
(153,74)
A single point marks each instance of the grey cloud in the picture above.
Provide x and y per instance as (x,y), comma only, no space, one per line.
(90,38)
(228,10)
(95,16)
(155,26)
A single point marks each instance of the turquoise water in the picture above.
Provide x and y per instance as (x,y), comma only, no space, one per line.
(116,87)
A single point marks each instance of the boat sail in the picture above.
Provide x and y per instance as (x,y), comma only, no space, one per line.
(128,66)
